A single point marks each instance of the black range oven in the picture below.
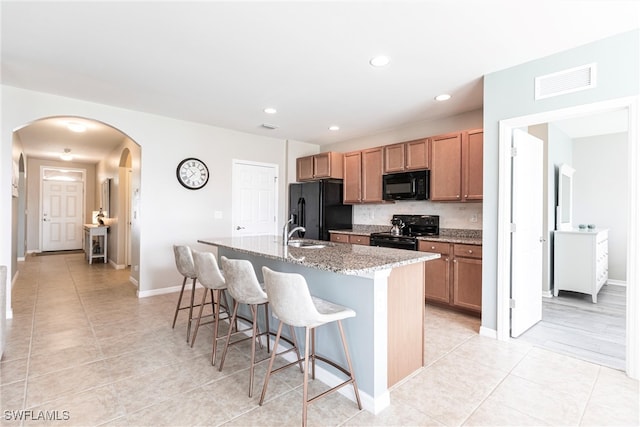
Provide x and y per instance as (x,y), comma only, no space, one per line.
(406,235)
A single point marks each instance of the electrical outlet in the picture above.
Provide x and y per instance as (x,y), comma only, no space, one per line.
(474,218)
(217,214)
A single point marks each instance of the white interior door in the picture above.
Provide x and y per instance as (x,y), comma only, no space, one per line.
(255,198)
(62,215)
(526,240)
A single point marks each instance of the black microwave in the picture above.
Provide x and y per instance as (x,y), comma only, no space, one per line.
(406,186)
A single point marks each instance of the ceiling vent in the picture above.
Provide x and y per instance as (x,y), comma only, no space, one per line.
(567,81)
(269,126)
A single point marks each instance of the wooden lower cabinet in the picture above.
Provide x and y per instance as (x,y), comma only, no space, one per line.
(354,239)
(455,279)
(437,272)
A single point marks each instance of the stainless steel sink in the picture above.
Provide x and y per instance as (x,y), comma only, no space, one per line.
(306,244)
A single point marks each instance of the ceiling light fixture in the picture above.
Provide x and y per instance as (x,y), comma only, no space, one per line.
(76,127)
(334,127)
(66,156)
(270,110)
(443,97)
(379,61)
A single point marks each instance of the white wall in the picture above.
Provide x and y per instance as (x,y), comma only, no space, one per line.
(509,94)
(169,214)
(417,130)
(600,192)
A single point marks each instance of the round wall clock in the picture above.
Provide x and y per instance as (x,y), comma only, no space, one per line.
(192,173)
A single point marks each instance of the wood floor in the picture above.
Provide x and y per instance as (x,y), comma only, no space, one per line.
(573,325)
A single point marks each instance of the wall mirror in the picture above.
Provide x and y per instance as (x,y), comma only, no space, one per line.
(106,194)
(564,208)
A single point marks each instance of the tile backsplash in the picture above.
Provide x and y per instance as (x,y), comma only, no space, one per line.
(452,215)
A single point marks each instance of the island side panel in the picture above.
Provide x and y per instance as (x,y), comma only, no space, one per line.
(406,321)
(355,292)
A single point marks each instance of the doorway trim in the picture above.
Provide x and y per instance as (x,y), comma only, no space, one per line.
(506,128)
(43,169)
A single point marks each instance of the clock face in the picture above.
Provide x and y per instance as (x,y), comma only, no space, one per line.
(192,173)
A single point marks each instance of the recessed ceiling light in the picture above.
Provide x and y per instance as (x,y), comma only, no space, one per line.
(76,127)
(379,61)
(334,127)
(66,156)
(270,110)
(443,97)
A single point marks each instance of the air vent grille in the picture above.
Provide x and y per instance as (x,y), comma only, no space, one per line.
(567,81)
(269,126)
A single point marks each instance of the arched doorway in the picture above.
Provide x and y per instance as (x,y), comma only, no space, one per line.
(94,146)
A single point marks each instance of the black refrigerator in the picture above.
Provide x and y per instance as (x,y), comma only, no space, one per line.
(317,206)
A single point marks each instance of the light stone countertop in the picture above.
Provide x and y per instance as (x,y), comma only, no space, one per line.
(447,235)
(343,258)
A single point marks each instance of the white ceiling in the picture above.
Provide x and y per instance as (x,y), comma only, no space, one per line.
(222,63)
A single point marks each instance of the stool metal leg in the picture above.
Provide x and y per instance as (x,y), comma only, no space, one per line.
(175,316)
(193,294)
(346,352)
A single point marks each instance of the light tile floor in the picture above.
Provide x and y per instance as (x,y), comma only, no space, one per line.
(82,344)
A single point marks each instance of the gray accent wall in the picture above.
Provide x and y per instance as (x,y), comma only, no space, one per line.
(510,93)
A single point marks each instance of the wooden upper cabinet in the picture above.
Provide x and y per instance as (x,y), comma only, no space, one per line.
(304,168)
(363,176)
(352,173)
(372,160)
(394,156)
(411,155)
(446,167)
(472,160)
(456,166)
(319,166)
(417,153)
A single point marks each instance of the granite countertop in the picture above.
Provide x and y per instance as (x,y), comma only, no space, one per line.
(447,235)
(343,258)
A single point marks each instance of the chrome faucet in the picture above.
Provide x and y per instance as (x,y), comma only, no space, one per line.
(286,234)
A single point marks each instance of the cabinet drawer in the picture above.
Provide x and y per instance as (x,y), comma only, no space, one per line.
(437,247)
(343,238)
(467,251)
(359,240)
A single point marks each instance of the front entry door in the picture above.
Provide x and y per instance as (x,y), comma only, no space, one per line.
(255,198)
(62,215)
(527,237)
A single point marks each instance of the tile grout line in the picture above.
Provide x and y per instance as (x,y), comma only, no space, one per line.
(33,325)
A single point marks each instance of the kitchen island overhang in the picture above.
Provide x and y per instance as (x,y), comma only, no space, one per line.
(384,286)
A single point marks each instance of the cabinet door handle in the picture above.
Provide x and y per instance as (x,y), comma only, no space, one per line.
(470,251)
(433,247)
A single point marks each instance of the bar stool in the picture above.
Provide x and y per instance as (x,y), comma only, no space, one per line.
(292,303)
(210,276)
(244,288)
(184,263)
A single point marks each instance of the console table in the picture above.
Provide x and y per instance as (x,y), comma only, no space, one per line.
(95,242)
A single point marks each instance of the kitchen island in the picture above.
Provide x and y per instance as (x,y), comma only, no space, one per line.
(384,286)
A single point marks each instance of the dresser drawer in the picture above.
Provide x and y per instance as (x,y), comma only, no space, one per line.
(437,247)
(467,251)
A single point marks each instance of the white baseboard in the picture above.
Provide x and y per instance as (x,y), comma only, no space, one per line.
(616,282)
(488,332)
(162,291)
(547,294)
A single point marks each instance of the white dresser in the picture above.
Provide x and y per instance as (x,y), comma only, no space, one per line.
(580,261)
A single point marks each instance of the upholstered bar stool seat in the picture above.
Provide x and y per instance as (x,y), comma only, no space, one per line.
(292,304)
(210,276)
